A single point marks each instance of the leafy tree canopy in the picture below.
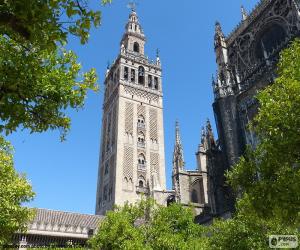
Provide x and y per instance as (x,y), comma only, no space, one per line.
(14,190)
(147,225)
(39,78)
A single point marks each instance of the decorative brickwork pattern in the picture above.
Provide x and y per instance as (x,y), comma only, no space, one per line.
(129,118)
(114,121)
(103,137)
(154,164)
(153,124)
(141,110)
(128,162)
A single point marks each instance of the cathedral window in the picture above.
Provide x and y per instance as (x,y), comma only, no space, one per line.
(141,122)
(272,37)
(141,75)
(141,162)
(150,83)
(126,73)
(197,195)
(136,46)
(132,75)
(156,83)
(194,196)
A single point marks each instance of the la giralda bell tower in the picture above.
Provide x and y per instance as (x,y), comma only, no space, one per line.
(132,159)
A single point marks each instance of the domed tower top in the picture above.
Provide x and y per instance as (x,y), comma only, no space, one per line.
(133,39)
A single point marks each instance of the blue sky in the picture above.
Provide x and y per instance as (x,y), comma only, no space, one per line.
(64,174)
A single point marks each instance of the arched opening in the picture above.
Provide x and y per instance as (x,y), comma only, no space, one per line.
(156,83)
(141,121)
(132,75)
(194,196)
(141,137)
(197,194)
(136,47)
(141,184)
(141,140)
(269,39)
(141,162)
(150,81)
(141,75)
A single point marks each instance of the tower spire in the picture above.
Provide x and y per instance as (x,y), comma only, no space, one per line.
(133,39)
(178,158)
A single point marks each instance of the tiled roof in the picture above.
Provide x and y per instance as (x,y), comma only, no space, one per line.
(66,218)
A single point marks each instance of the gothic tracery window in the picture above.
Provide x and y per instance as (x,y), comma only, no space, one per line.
(271,37)
(194,196)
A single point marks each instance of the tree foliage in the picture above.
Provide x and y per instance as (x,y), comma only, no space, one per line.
(14,191)
(39,78)
(147,225)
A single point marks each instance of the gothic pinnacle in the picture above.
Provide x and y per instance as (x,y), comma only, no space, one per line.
(244,13)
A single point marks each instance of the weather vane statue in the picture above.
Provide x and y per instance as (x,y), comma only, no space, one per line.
(132,5)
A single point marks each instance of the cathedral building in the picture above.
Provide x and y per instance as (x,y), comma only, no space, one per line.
(246,63)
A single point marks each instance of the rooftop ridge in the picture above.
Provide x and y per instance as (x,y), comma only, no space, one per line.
(66,212)
(253,14)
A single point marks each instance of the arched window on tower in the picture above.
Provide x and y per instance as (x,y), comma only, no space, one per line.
(136,47)
(141,140)
(141,182)
(125,73)
(156,83)
(141,122)
(150,83)
(132,75)
(141,162)
(141,75)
